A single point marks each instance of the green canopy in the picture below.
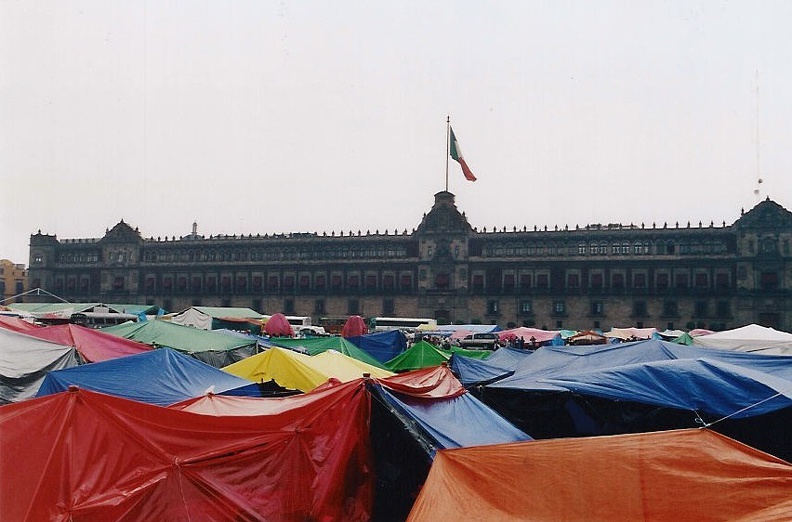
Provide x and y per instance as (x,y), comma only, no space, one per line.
(685,339)
(421,355)
(473,354)
(210,347)
(317,345)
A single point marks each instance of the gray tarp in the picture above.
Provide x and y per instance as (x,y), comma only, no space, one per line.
(25,361)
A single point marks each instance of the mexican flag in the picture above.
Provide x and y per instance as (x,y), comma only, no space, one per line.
(456,153)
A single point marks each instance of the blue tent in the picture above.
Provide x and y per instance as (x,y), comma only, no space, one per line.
(534,372)
(452,422)
(702,385)
(161,377)
(383,346)
(477,371)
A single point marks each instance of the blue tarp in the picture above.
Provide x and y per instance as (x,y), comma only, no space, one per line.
(702,385)
(453,422)
(718,382)
(471,371)
(161,377)
(383,346)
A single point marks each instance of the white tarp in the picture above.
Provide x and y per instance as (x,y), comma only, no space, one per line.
(749,338)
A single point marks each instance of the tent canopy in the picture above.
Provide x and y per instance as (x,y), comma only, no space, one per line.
(98,457)
(662,476)
(317,345)
(160,377)
(354,327)
(93,345)
(278,326)
(749,338)
(383,346)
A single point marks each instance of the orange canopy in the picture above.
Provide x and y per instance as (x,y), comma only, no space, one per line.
(691,474)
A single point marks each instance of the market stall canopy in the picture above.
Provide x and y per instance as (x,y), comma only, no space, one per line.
(631,334)
(278,326)
(210,347)
(92,345)
(214,317)
(160,377)
(297,371)
(663,476)
(749,338)
(541,336)
(354,326)
(317,345)
(383,346)
(99,457)
(17,324)
(25,362)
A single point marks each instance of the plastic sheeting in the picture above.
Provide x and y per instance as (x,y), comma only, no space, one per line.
(277,326)
(420,355)
(317,345)
(160,377)
(703,385)
(25,362)
(665,476)
(97,457)
(16,324)
(541,336)
(383,346)
(297,371)
(355,326)
(93,345)
(750,338)
(213,348)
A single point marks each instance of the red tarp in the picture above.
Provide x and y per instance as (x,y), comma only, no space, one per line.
(354,327)
(15,324)
(93,345)
(692,474)
(85,456)
(278,326)
(436,382)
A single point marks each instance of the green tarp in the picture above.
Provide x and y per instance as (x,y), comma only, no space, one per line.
(317,345)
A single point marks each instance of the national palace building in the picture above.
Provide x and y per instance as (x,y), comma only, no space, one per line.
(708,275)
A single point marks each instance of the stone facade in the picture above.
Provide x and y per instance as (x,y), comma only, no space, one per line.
(597,276)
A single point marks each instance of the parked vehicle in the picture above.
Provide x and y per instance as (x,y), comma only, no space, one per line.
(485,341)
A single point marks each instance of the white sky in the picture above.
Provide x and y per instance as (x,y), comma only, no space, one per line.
(254,117)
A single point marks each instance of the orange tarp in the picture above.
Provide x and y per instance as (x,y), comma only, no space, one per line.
(692,474)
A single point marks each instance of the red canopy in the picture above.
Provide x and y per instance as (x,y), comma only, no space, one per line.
(354,327)
(278,326)
(15,324)
(693,474)
(93,345)
(81,455)
(435,382)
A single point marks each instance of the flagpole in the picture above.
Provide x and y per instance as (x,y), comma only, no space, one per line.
(448,146)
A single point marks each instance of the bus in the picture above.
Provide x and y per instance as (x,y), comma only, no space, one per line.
(101,319)
(383,324)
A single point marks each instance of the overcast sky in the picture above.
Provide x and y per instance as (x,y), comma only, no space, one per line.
(266,117)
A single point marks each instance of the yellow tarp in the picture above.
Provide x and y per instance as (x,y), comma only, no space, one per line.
(302,372)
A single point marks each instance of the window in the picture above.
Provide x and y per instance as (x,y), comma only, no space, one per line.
(769,280)
(272,282)
(662,281)
(595,280)
(722,280)
(681,280)
(639,309)
(573,280)
(388,307)
(288,281)
(670,309)
(388,282)
(700,309)
(559,307)
(288,306)
(406,281)
(525,280)
(526,307)
(353,307)
(305,281)
(617,280)
(508,281)
(478,281)
(492,307)
(441,281)
(335,281)
(256,280)
(639,280)
(320,282)
(597,308)
(701,280)
(542,281)
(319,306)
(371,281)
(723,309)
